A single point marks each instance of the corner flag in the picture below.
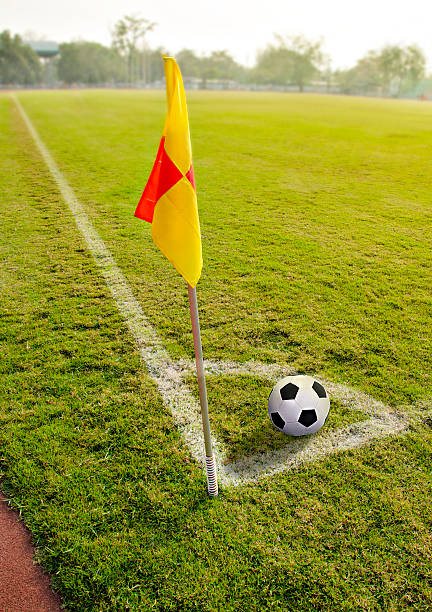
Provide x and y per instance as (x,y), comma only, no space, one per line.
(169,199)
(169,203)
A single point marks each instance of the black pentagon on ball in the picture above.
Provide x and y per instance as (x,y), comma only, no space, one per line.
(307,417)
(277,420)
(319,389)
(289,391)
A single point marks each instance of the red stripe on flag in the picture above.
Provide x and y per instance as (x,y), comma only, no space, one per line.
(190,175)
(163,176)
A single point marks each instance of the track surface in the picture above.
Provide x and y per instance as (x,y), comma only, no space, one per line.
(23,585)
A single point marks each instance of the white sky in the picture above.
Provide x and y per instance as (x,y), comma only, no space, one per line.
(348,28)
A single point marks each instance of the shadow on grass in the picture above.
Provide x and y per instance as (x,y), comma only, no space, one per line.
(239,416)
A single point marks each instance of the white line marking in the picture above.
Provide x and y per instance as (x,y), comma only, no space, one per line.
(184,407)
(169,375)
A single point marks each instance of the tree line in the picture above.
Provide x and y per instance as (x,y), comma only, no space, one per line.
(287,62)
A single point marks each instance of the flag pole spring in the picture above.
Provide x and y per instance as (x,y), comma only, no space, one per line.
(212,485)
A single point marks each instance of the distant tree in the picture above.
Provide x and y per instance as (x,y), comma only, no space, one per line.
(308,58)
(327,73)
(292,60)
(273,66)
(219,65)
(18,62)
(363,78)
(390,65)
(155,68)
(389,71)
(189,62)
(88,62)
(128,38)
(415,65)
(401,68)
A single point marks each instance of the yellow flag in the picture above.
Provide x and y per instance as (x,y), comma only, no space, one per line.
(169,199)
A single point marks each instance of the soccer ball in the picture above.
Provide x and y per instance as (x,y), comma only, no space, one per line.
(298,405)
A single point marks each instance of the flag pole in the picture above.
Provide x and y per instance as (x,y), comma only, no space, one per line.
(212,485)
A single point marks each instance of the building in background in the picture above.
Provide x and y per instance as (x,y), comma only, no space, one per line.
(47,50)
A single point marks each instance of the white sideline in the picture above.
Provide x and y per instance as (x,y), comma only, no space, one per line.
(184,407)
(169,375)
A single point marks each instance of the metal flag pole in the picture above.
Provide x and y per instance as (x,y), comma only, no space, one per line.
(212,485)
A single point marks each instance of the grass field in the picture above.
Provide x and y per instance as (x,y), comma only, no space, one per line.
(316,214)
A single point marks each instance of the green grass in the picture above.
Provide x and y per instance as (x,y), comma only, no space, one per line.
(315,214)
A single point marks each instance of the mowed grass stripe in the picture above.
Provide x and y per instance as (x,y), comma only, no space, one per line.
(315,213)
(172,385)
(161,369)
(114,501)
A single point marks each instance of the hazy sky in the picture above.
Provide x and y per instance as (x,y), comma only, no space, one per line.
(348,28)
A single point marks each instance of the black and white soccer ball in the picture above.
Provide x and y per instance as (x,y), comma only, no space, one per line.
(298,405)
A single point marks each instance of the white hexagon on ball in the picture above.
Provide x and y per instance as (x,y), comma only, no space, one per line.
(298,405)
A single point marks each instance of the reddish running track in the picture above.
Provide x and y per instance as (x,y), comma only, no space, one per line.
(23,585)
